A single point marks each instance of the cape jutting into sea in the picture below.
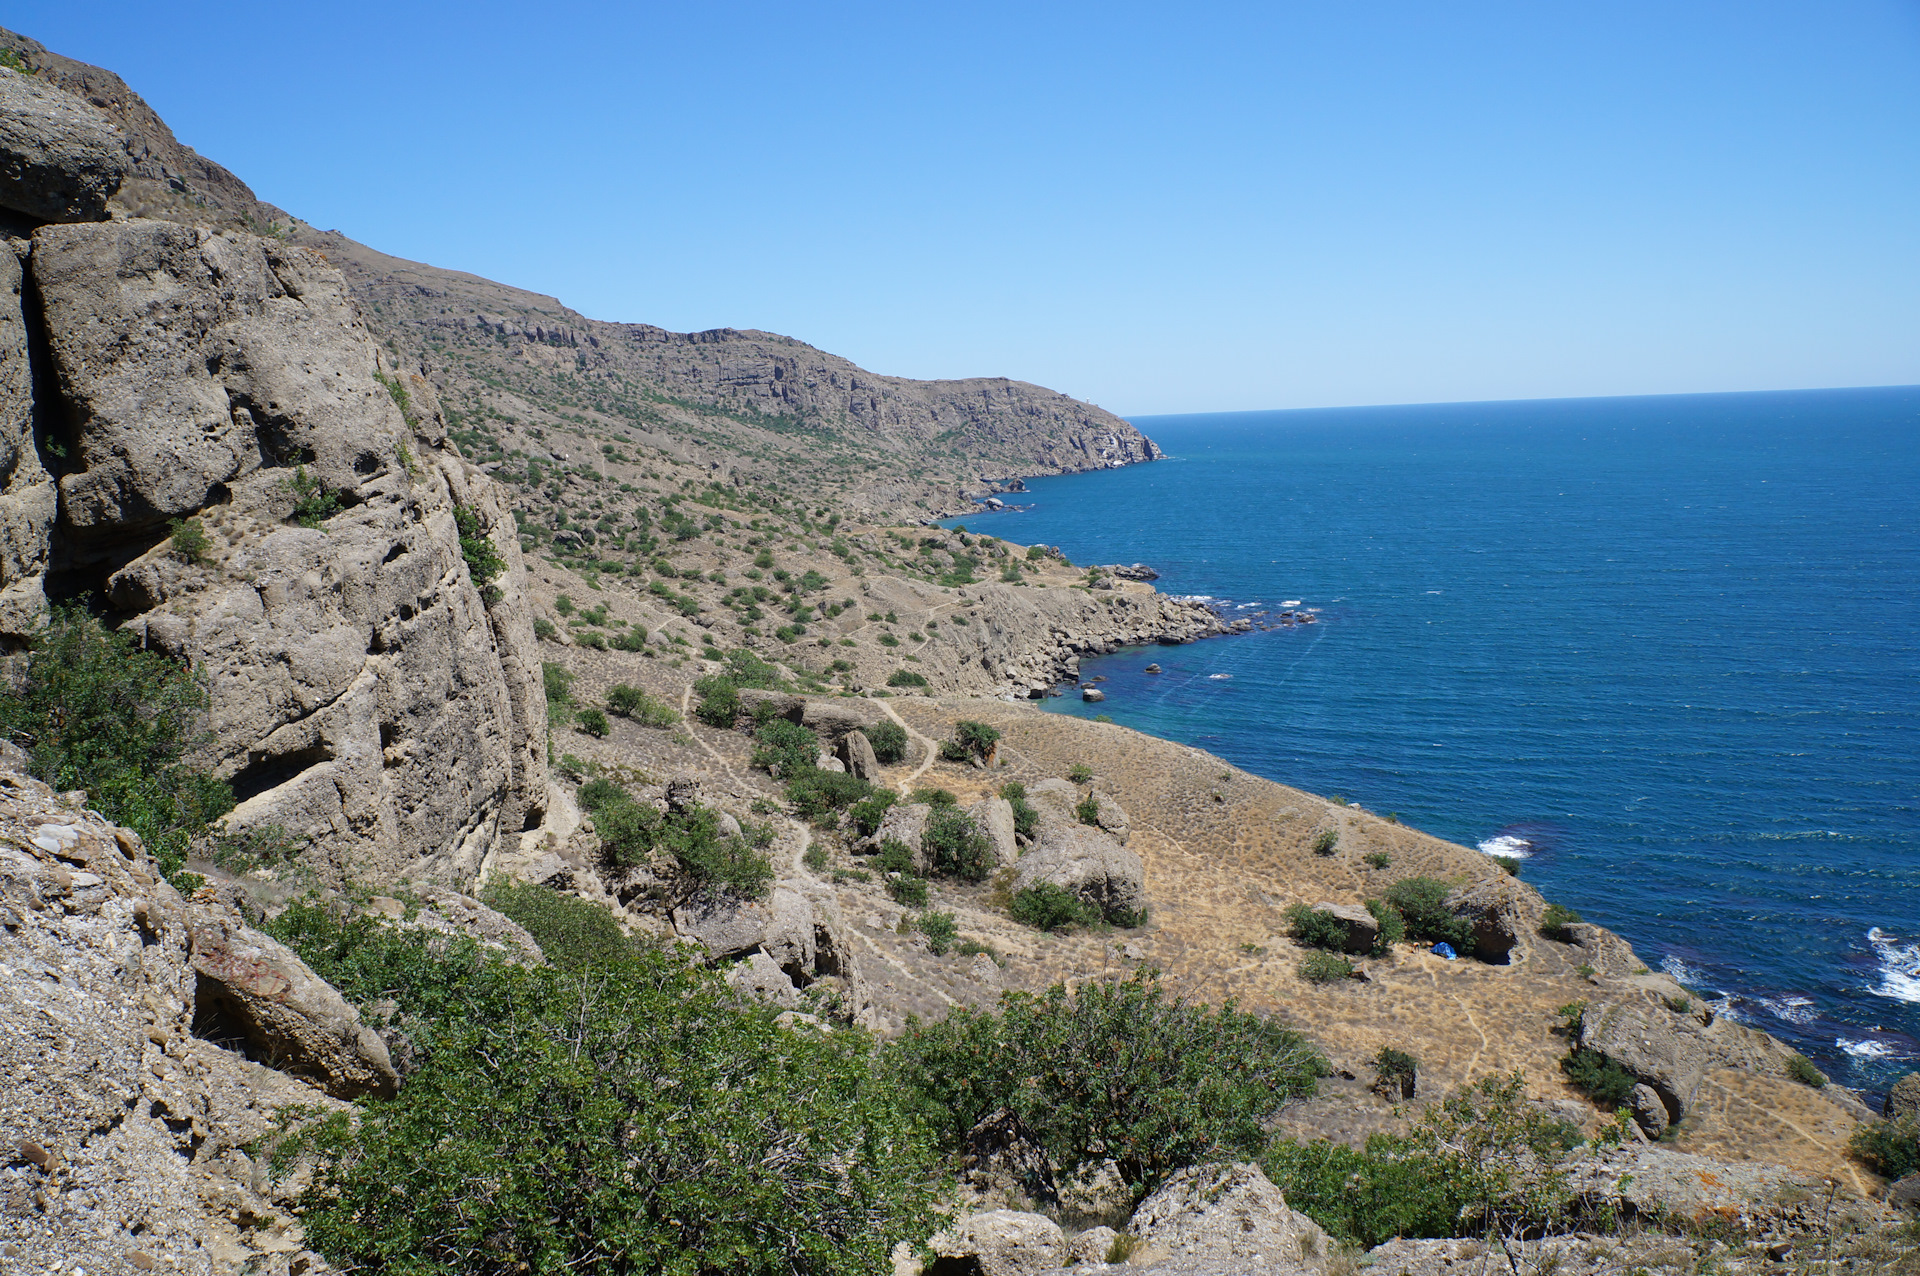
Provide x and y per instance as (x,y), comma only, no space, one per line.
(1664,651)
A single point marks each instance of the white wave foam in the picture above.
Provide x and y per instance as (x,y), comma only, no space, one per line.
(1868,1048)
(1899,967)
(1792,1008)
(1291,602)
(1219,677)
(1507,846)
(1681,972)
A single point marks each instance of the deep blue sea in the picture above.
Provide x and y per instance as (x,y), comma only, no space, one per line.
(1667,649)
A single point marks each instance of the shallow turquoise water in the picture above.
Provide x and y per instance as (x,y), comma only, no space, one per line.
(1667,648)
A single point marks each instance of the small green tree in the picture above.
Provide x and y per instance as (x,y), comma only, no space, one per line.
(1026,820)
(955,847)
(977,738)
(1422,903)
(313,505)
(573,933)
(1047,906)
(889,741)
(189,540)
(484,563)
(1554,922)
(1316,929)
(940,930)
(593,722)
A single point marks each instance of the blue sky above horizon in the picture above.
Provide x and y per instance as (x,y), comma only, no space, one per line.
(1161,209)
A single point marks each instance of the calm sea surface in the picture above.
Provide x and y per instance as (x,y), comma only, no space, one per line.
(1665,649)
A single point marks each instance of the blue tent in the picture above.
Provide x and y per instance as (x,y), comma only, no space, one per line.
(1444,950)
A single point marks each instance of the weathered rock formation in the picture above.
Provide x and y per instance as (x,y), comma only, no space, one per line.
(368,695)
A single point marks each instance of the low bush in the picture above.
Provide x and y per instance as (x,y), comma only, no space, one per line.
(816,857)
(1422,903)
(1484,1162)
(1802,1069)
(575,934)
(1325,968)
(592,721)
(1326,841)
(908,889)
(189,540)
(1554,922)
(94,711)
(906,678)
(1026,820)
(977,738)
(630,831)
(1087,811)
(866,814)
(632,702)
(1115,1070)
(1080,773)
(1603,1080)
(895,856)
(1395,1072)
(1888,1148)
(940,930)
(889,741)
(955,847)
(953,751)
(1045,906)
(785,749)
(1377,859)
(632,1119)
(1393,928)
(818,795)
(1316,929)
(934,797)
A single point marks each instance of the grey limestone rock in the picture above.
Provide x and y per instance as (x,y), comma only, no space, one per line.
(994,817)
(726,926)
(856,752)
(1087,862)
(256,987)
(1672,1054)
(61,159)
(1002,1242)
(761,978)
(1111,816)
(1649,1113)
(790,938)
(1363,929)
(906,822)
(1501,910)
(1225,1213)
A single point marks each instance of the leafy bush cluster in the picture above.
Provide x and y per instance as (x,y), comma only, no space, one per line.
(1889,1148)
(788,751)
(1115,1070)
(1422,905)
(484,563)
(719,693)
(1325,968)
(1483,1162)
(633,703)
(955,847)
(1603,1080)
(1045,906)
(889,741)
(1316,929)
(94,711)
(630,831)
(574,933)
(1026,820)
(628,1118)
(1554,922)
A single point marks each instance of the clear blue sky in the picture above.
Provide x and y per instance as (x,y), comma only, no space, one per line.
(1160,208)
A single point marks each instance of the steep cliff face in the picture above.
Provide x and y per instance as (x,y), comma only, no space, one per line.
(367,693)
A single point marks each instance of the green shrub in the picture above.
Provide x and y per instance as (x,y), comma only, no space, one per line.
(593,722)
(1422,902)
(1603,1080)
(574,933)
(630,831)
(94,711)
(817,795)
(815,858)
(1045,906)
(940,930)
(1316,929)
(976,738)
(889,741)
(719,700)
(905,678)
(953,751)
(908,889)
(484,563)
(955,847)
(1026,820)
(1114,1070)
(934,797)
(1483,1162)
(558,683)
(632,702)
(1890,1149)
(1802,1069)
(189,540)
(543,629)
(1087,811)
(1395,1072)
(635,1119)
(1679,1005)
(895,856)
(313,505)
(1080,773)
(1325,968)
(1393,928)
(1554,922)
(564,605)
(1377,859)
(866,814)
(1326,841)
(785,748)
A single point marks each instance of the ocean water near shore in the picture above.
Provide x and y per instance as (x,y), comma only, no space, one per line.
(1664,650)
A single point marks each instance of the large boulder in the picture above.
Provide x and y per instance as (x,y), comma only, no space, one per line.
(1054,801)
(1226,1213)
(905,822)
(1109,815)
(1501,909)
(1672,1053)
(790,936)
(1649,1111)
(1903,1100)
(255,995)
(1002,1243)
(1362,927)
(833,719)
(856,753)
(61,160)
(994,817)
(725,925)
(1090,864)
(1001,1156)
(760,978)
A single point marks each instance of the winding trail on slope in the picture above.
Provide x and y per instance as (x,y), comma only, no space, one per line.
(932,750)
